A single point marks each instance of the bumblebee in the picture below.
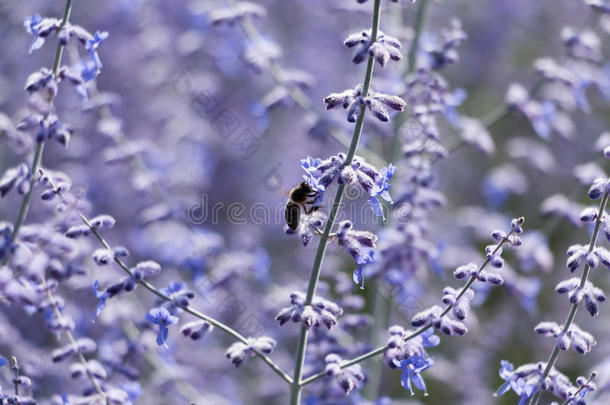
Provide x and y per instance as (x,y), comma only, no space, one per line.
(300,196)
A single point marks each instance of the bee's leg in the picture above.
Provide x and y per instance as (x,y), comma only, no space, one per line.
(312,209)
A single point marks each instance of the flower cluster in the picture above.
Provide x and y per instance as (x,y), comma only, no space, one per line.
(348,378)
(409,354)
(376,183)
(354,102)
(321,312)
(360,245)
(575,338)
(382,49)
(239,352)
(82,72)
(576,293)
(529,379)
(196,329)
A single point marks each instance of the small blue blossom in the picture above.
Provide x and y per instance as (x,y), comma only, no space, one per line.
(359,272)
(162,318)
(381,189)
(321,173)
(31,26)
(515,382)
(412,368)
(178,293)
(91,45)
(360,245)
(102,296)
(40,28)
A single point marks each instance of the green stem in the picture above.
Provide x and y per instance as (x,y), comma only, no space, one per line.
(422,329)
(572,314)
(60,47)
(25,203)
(295,391)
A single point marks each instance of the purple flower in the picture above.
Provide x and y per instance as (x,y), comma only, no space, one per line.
(92,45)
(321,312)
(239,352)
(383,49)
(381,189)
(161,317)
(515,382)
(348,378)
(40,28)
(353,101)
(102,296)
(179,295)
(360,245)
(412,368)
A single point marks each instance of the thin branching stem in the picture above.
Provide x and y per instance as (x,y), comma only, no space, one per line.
(27,198)
(422,329)
(572,314)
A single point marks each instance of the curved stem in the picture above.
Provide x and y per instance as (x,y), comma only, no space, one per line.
(25,203)
(420,330)
(295,391)
(225,328)
(572,314)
